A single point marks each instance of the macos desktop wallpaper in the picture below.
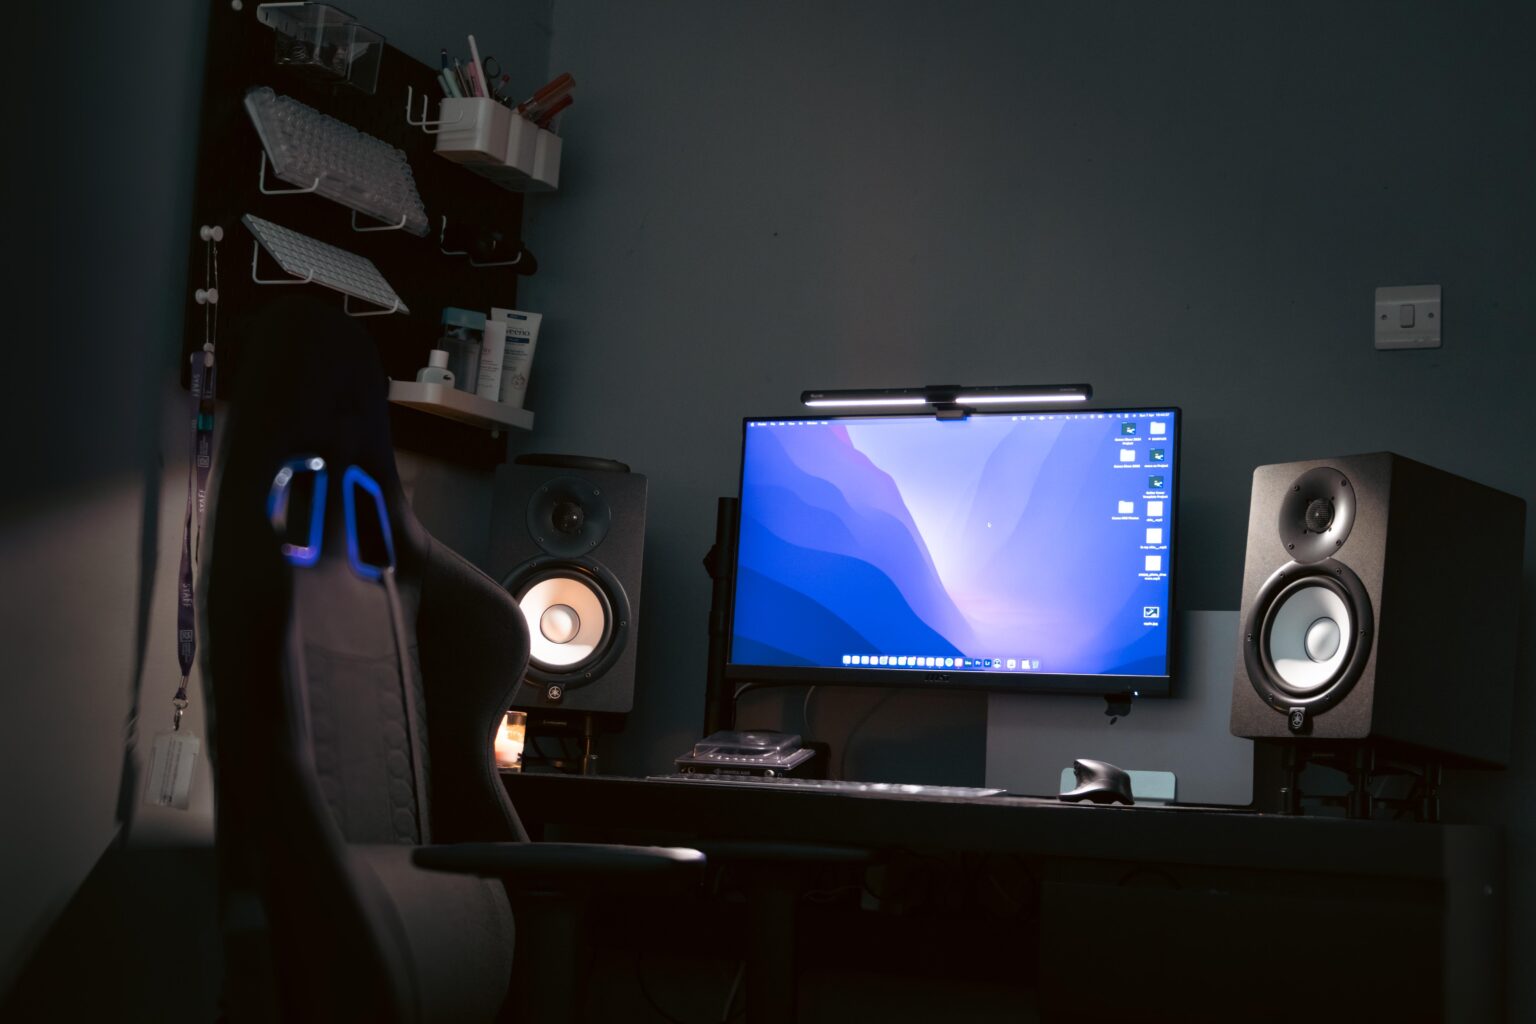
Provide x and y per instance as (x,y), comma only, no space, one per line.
(1028,543)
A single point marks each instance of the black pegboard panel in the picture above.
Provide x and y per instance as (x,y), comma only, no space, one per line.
(240,56)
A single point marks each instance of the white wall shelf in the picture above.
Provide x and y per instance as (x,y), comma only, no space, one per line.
(447,401)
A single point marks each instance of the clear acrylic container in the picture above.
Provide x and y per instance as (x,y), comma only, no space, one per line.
(324,42)
(463,330)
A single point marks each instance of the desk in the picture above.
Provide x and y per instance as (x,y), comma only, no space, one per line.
(1214,914)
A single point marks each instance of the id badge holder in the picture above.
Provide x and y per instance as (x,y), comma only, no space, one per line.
(170,772)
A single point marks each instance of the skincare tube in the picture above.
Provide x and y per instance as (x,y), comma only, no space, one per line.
(517,363)
(492,351)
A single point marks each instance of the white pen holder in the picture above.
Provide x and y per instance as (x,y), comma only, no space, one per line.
(546,163)
(474,130)
(498,144)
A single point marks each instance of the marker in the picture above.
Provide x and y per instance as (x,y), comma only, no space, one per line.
(548,93)
(549,115)
(474,54)
(446,84)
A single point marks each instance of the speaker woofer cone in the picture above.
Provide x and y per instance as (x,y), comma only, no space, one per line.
(577,615)
(567,619)
(1308,635)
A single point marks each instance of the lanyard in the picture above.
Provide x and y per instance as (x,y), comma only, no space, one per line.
(203,384)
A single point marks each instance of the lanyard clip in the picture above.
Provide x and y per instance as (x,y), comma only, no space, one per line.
(179,702)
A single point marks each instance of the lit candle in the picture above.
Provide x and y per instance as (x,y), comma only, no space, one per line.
(509,741)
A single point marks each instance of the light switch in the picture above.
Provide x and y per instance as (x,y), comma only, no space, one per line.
(1408,317)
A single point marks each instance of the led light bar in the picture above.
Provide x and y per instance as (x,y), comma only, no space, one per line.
(948,396)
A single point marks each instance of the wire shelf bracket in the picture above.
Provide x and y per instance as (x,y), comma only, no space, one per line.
(431,127)
(442,232)
(346,300)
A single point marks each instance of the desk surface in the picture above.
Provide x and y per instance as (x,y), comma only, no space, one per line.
(1022,825)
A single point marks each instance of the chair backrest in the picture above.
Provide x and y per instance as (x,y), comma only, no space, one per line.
(340,705)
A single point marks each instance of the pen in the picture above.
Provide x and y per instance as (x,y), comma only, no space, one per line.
(458,72)
(477,67)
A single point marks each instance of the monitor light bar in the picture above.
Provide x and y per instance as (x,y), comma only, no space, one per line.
(832,403)
(948,397)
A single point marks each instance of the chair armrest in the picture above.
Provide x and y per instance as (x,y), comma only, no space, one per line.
(565,867)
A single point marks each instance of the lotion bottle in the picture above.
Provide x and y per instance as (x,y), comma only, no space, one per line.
(436,371)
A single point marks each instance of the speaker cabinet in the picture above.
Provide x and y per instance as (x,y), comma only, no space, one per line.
(567,540)
(1380,602)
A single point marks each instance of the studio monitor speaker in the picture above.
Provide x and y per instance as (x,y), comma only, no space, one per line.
(567,539)
(1380,602)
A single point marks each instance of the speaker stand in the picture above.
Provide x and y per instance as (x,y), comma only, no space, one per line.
(1363,765)
(586,762)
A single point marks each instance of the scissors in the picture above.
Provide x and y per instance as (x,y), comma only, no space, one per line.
(494,79)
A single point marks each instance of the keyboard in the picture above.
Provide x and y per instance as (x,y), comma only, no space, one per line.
(308,148)
(828,785)
(325,264)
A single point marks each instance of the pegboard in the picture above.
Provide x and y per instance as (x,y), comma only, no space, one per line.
(240,56)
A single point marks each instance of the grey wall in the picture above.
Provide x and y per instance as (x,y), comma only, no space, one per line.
(1185,203)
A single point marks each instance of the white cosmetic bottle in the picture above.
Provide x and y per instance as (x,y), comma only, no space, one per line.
(436,371)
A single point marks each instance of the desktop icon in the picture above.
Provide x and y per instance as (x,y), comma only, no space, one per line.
(1155,482)
(1154,508)
(1151,611)
(1159,455)
(1154,535)
(885,659)
(1013,663)
(1154,563)
(1157,427)
(1127,429)
(1034,662)
(1126,508)
(847,659)
(1127,455)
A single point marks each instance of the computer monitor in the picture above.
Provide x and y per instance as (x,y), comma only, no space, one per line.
(1014,551)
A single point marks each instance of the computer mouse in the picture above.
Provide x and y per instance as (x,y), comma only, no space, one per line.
(1100,782)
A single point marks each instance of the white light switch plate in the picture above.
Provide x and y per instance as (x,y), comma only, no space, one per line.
(1408,316)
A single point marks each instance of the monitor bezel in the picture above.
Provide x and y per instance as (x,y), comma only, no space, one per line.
(972,679)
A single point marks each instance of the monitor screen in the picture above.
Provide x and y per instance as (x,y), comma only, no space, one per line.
(1002,551)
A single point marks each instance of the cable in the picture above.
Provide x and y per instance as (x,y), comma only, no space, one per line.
(558,763)
(730,997)
(805,710)
(646,992)
(842,761)
(725,1012)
